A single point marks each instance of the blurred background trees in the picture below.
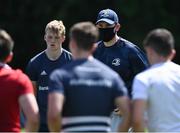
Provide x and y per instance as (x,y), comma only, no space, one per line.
(25,20)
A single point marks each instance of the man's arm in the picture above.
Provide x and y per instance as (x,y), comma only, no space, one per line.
(124,105)
(34,87)
(140,98)
(138,60)
(55,105)
(30,108)
(138,122)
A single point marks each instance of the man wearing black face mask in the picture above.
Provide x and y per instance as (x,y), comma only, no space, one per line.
(107,34)
(121,55)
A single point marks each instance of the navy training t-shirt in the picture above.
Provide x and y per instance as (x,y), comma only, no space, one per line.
(123,57)
(90,89)
(39,69)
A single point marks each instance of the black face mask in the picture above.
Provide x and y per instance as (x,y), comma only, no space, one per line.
(106,34)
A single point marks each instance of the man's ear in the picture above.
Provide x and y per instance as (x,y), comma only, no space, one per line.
(93,48)
(172,55)
(117,27)
(9,58)
(63,38)
(72,45)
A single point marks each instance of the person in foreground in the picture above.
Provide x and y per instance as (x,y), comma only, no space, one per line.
(83,93)
(156,91)
(16,92)
(126,58)
(40,67)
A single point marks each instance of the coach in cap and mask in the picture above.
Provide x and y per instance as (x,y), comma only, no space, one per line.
(118,53)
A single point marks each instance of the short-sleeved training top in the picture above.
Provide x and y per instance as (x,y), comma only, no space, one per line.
(13,84)
(160,87)
(123,57)
(90,89)
(39,69)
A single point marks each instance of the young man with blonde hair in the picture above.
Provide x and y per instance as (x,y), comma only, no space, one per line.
(41,66)
(16,92)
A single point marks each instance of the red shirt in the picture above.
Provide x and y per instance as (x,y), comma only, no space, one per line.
(13,84)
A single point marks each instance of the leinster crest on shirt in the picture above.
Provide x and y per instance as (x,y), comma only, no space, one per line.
(116,62)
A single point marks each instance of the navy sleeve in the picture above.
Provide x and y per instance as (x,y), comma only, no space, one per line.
(31,71)
(138,60)
(56,82)
(119,88)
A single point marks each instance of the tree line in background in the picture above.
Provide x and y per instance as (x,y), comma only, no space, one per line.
(25,20)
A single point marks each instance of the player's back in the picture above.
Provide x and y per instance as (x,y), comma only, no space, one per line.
(163,92)
(90,89)
(10,91)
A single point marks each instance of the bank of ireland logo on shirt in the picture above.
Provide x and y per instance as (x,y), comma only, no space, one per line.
(116,62)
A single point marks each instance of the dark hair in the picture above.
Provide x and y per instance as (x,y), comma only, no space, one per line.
(85,34)
(6,45)
(161,40)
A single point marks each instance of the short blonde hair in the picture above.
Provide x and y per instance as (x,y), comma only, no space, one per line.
(56,27)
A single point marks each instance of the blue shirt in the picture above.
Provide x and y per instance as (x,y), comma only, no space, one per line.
(39,69)
(123,57)
(90,89)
